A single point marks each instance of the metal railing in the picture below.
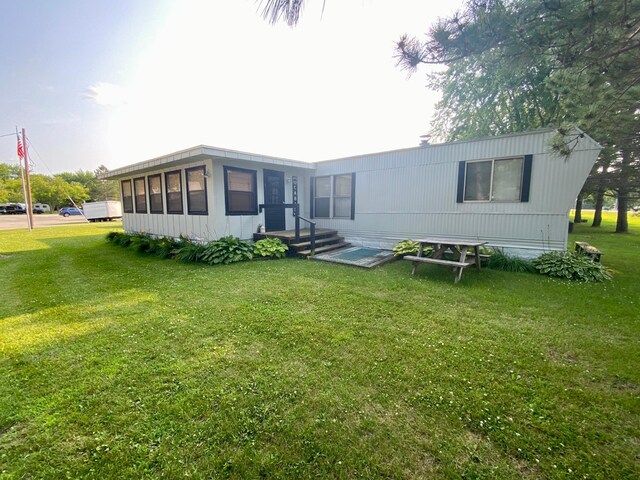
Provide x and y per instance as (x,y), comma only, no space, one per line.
(298,217)
(312,232)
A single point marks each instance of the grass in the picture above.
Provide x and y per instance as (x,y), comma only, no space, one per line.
(118,365)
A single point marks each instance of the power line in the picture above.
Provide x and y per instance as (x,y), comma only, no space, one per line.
(9,135)
(32,146)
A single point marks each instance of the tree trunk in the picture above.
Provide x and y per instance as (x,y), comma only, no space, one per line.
(597,215)
(622,224)
(577,217)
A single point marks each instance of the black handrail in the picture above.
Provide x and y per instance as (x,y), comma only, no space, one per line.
(312,232)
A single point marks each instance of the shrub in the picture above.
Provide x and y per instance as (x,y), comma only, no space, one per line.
(270,248)
(141,242)
(509,263)
(123,239)
(572,266)
(187,250)
(227,250)
(111,236)
(164,247)
(406,247)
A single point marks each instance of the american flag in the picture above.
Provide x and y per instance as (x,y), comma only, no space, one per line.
(20,149)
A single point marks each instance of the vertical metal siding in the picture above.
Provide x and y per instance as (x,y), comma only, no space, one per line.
(216,224)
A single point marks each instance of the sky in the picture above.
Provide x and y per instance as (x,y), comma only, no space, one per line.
(115,82)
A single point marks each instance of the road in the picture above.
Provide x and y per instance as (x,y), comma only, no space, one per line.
(11,222)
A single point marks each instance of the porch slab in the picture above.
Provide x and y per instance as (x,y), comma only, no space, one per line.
(357,256)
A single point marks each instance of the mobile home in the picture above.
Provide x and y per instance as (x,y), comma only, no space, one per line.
(511,191)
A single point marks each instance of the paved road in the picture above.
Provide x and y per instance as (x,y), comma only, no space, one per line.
(10,222)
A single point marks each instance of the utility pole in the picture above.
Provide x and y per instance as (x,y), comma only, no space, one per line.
(27,180)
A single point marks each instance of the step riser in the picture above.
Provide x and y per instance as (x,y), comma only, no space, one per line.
(319,243)
(325,248)
(288,239)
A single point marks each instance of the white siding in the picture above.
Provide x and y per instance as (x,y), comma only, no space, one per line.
(216,224)
(401,194)
(412,194)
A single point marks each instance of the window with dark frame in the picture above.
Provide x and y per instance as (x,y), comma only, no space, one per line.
(240,191)
(342,196)
(155,193)
(499,180)
(173,188)
(127,196)
(333,196)
(140,195)
(196,190)
(322,200)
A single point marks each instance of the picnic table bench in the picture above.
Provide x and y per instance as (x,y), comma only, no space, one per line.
(457,248)
(589,251)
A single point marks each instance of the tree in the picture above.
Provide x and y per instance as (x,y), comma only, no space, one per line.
(55,191)
(283,10)
(97,189)
(519,64)
(105,189)
(8,171)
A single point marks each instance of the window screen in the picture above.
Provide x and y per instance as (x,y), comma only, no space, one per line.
(196,191)
(140,195)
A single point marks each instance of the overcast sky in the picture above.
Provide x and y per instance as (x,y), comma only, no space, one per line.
(115,82)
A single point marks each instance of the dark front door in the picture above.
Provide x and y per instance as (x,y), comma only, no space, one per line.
(274,195)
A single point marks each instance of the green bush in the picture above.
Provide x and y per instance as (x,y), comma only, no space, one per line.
(270,248)
(141,242)
(227,250)
(509,263)
(224,250)
(111,236)
(164,247)
(186,250)
(406,247)
(572,266)
(121,239)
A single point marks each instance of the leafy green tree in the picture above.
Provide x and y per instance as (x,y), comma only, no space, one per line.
(105,189)
(8,171)
(513,65)
(12,190)
(97,189)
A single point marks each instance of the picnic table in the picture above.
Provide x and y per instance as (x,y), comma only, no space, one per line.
(457,249)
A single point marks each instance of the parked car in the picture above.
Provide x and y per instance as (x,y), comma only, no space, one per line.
(66,211)
(12,209)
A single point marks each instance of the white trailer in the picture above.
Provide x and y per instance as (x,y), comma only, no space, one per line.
(102,211)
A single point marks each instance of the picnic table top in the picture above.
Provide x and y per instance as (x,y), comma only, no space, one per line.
(451,241)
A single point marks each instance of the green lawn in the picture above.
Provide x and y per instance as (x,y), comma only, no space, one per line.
(118,365)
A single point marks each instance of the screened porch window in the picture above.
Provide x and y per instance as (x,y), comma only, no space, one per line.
(240,191)
(127,196)
(155,194)
(196,191)
(140,195)
(173,186)
(494,180)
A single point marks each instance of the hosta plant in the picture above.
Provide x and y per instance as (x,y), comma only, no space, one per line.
(270,248)
(572,266)
(406,247)
(227,250)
